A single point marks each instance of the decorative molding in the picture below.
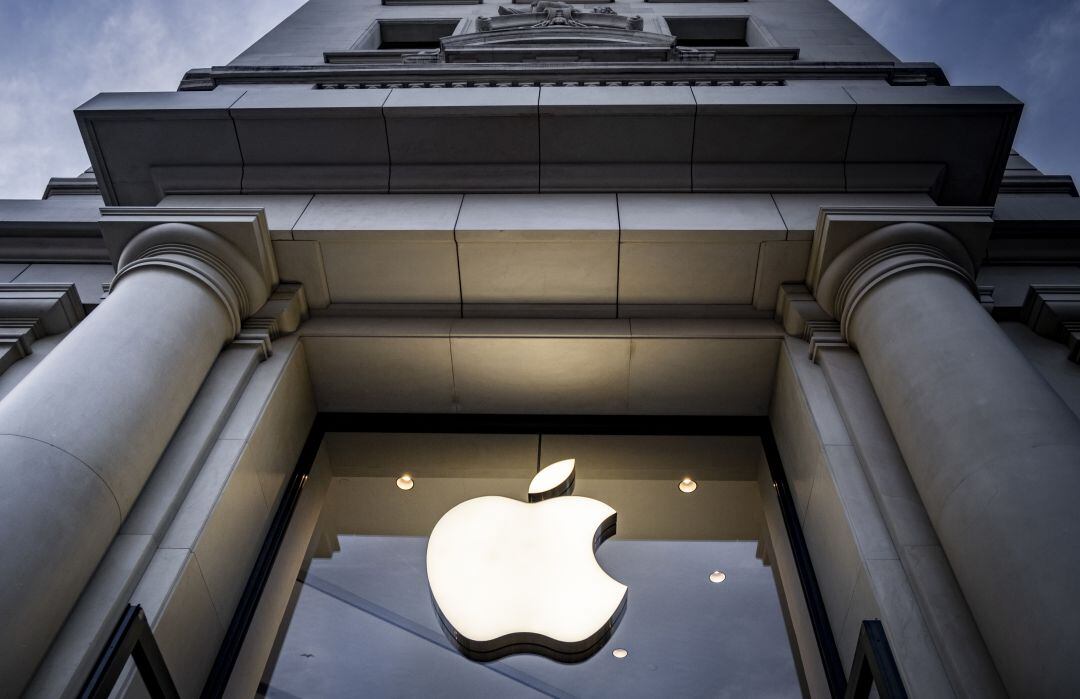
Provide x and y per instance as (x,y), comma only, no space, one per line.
(730,54)
(801,316)
(214,268)
(877,266)
(71,185)
(823,334)
(281,315)
(796,307)
(1053,311)
(443,74)
(406,3)
(29,312)
(245,228)
(258,333)
(856,248)
(553,28)
(1037,184)
(344,57)
(228,250)
(962,231)
(61,229)
(557,13)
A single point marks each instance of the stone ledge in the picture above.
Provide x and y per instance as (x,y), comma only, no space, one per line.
(875,140)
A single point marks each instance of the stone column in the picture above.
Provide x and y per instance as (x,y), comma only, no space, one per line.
(993,450)
(81,433)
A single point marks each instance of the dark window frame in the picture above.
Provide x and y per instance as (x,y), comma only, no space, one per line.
(406,34)
(734,31)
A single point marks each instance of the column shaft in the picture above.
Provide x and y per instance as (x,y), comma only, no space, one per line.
(995,454)
(80,435)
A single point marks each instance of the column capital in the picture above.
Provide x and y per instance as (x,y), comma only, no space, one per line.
(227,250)
(854,274)
(856,248)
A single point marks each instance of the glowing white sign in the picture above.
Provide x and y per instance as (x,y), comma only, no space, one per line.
(514,577)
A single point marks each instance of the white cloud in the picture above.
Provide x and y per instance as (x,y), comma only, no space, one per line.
(1056,52)
(1029,48)
(59,53)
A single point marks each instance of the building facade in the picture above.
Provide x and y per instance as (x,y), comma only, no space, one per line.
(736,247)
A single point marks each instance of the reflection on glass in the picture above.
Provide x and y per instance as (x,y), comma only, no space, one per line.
(362,620)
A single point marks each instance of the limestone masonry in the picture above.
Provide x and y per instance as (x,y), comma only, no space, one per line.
(713,209)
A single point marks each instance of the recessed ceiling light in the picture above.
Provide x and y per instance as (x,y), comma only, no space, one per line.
(405,482)
(687,485)
(619,653)
(717,576)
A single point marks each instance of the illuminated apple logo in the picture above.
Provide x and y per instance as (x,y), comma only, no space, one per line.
(514,577)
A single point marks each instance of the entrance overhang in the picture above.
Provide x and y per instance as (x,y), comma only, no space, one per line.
(949,142)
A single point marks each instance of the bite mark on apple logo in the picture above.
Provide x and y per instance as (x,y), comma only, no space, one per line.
(513,577)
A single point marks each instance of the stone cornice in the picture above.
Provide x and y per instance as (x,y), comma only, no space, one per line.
(54,308)
(1037,184)
(32,311)
(61,229)
(70,186)
(1053,311)
(824,138)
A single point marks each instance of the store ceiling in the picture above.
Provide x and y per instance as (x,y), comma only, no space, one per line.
(636,475)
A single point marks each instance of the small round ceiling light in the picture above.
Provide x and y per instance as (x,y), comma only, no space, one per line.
(620,653)
(687,485)
(717,576)
(405,482)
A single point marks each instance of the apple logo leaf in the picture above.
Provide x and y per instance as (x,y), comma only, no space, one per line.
(508,576)
(552,481)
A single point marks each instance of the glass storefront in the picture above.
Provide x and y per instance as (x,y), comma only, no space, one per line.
(704,614)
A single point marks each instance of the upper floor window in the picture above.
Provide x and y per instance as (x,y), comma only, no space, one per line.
(405,34)
(708,32)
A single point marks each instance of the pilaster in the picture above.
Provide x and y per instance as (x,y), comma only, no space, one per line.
(802,317)
(281,315)
(29,312)
(1053,311)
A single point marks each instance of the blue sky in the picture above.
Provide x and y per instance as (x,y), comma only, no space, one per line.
(1029,47)
(56,54)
